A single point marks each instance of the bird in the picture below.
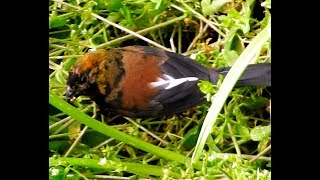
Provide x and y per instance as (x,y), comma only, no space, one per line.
(143,82)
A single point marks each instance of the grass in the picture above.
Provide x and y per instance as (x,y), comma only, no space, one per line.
(227,137)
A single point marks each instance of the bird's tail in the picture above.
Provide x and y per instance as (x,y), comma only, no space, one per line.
(253,75)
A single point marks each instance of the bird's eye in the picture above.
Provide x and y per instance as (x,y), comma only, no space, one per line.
(69,94)
(69,90)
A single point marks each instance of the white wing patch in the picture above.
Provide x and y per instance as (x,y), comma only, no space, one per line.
(171,82)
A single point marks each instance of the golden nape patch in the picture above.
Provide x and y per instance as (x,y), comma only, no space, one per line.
(89,60)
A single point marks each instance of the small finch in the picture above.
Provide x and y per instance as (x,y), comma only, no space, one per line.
(141,81)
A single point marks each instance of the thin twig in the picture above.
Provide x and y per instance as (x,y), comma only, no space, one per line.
(234,140)
(173,47)
(80,174)
(199,16)
(103,143)
(76,141)
(179,38)
(260,154)
(62,135)
(65,57)
(63,126)
(198,36)
(177,7)
(64,121)
(147,131)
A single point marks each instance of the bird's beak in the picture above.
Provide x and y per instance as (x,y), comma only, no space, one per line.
(69,94)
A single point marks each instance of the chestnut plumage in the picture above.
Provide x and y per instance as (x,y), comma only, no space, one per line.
(141,81)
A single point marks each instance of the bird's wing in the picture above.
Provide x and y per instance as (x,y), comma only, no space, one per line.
(177,86)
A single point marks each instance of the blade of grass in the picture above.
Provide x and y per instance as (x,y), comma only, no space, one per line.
(136,168)
(83,118)
(230,80)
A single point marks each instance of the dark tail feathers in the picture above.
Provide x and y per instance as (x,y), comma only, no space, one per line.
(254,75)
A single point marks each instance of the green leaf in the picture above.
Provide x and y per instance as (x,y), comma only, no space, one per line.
(60,76)
(230,56)
(58,145)
(114,16)
(263,144)
(57,87)
(56,21)
(229,39)
(57,173)
(237,20)
(128,22)
(245,14)
(93,138)
(74,130)
(209,8)
(76,176)
(255,102)
(269,164)
(158,3)
(207,87)
(154,8)
(242,131)
(205,5)
(260,132)
(265,20)
(203,59)
(229,20)
(215,52)
(232,42)
(190,139)
(114,5)
(69,63)
(266,4)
